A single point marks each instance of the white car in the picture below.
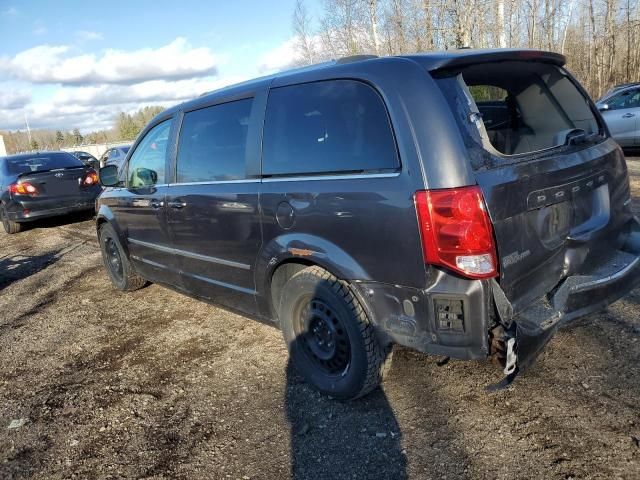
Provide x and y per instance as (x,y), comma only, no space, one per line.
(620,108)
(114,156)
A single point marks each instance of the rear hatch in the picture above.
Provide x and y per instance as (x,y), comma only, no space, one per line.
(556,217)
(555,187)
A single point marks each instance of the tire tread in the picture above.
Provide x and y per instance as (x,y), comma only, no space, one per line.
(10,227)
(132,281)
(378,357)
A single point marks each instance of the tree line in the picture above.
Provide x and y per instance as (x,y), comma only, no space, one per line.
(125,127)
(599,37)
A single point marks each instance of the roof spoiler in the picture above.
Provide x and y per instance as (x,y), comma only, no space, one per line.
(465,57)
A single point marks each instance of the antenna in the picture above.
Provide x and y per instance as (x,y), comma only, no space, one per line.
(28,129)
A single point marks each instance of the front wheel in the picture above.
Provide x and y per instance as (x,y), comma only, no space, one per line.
(329,336)
(116,262)
(9,226)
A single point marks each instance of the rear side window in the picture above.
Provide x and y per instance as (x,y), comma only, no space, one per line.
(628,99)
(41,163)
(213,143)
(327,127)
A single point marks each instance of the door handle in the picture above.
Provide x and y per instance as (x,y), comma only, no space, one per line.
(628,115)
(156,203)
(177,204)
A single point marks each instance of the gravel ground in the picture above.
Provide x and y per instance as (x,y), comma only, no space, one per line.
(153,384)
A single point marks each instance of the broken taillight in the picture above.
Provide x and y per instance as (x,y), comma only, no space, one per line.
(23,188)
(456,231)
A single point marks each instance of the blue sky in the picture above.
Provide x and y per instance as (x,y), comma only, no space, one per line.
(71,64)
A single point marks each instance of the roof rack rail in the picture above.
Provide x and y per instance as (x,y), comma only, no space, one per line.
(354,58)
(630,84)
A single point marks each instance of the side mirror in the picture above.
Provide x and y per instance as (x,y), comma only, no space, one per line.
(603,107)
(108,176)
(144,177)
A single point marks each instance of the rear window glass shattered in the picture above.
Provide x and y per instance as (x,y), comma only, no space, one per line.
(518,111)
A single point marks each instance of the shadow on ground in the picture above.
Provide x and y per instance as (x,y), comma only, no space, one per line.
(19,267)
(332,440)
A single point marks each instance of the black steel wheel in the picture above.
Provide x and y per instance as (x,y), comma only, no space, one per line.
(329,336)
(116,262)
(323,336)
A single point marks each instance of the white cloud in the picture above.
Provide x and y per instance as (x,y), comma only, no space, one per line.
(12,99)
(87,35)
(54,64)
(10,12)
(93,88)
(151,91)
(92,108)
(38,31)
(280,58)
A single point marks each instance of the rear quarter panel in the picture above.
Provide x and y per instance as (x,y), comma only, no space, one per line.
(359,229)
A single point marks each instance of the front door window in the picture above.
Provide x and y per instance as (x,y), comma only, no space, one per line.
(147,164)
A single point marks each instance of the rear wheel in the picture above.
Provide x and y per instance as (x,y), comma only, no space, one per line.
(329,336)
(8,225)
(116,262)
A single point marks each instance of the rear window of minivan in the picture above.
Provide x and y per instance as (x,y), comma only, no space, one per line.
(335,126)
(515,110)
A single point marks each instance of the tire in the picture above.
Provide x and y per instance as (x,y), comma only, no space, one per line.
(116,261)
(9,226)
(329,336)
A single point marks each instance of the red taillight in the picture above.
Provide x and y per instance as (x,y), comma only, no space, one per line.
(91,178)
(456,231)
(23,188)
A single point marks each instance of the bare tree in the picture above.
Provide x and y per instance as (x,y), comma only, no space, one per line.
(373,19)
(598,37)
(302,30)
(502,39)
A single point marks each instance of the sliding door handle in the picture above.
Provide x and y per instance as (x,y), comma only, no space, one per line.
(628,115)
(177,204)
(156,203)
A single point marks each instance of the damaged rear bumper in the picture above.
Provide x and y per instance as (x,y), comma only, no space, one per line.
(575,297)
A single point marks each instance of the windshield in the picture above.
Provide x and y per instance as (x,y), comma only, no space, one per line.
(41,163)
(515,108)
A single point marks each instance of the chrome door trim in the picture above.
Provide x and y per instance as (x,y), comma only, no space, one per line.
(216,182)
(196,256)
(219,283)
(302,178)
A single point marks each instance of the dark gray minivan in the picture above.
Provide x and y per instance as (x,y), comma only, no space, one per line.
(461,203)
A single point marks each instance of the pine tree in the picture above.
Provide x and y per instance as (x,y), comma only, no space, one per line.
(77,137)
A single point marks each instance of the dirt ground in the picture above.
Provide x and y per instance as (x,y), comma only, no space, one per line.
(153,384)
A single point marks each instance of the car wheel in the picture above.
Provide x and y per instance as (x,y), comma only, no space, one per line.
(330,338)
(116,262)
(8,225)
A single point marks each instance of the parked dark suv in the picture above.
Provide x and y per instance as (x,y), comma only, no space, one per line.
(462,204)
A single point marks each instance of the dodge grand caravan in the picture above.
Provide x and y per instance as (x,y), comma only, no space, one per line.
(463,204)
